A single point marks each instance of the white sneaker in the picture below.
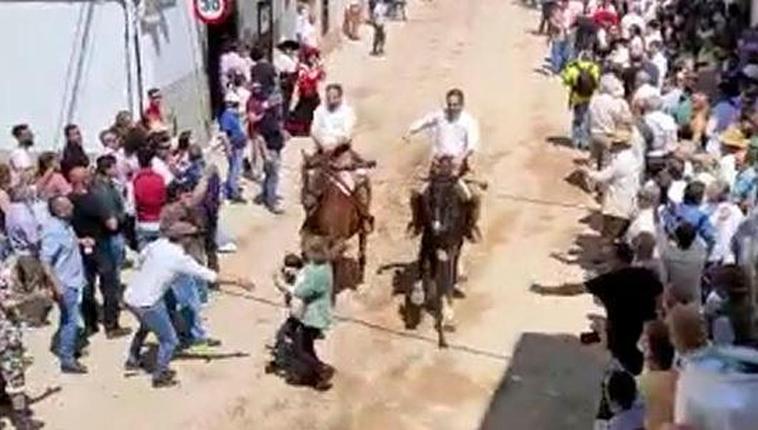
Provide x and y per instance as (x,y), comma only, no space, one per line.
(228,248)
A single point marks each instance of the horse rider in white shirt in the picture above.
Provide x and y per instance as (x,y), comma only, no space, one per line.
(455,135)
(332,132)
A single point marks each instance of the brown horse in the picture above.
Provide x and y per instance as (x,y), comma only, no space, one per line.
(332,209)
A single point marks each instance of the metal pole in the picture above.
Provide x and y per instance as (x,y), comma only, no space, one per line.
(133,26)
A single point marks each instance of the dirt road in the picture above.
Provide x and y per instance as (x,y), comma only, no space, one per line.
(515,362)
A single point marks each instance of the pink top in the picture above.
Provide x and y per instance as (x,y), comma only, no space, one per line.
(53,185)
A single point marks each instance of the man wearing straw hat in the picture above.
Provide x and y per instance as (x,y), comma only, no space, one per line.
(161,262)
(621,180)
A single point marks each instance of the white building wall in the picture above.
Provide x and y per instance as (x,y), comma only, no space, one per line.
(62,62)
(172,59)
(67,61)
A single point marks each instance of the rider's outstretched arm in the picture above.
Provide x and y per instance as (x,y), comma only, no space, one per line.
(421,124)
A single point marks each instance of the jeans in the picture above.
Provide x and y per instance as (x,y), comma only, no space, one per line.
(559,54)
(235,159)
(186,290)
(271,181)
(69,324)
(101,268)
(118,254)
(154,319)
(580,133)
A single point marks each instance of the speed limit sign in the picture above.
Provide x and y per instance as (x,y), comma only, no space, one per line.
(212,11)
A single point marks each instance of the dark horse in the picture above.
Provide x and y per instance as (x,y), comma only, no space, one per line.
(441,215)
(333,210)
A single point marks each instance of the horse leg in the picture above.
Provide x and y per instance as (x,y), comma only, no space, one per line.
(439,317)
(444,278)
(362,244)
(457,289)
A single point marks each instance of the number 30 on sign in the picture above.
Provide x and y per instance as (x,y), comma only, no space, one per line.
(212,11)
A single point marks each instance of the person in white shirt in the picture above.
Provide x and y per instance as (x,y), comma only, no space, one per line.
(725,217)
(659,60)
(160,163)
(230,63)
(644,90)
(455,136)
(333,122)
(21,162)
(332,132)
(161,262)
(663,128)
(306,31)
(636,44)
(644,218)
(379,17)
(622,183)
(607,112)
(454,132)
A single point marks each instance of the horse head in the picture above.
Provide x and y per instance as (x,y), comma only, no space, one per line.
(445,209)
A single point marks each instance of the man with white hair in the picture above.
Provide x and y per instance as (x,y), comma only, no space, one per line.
(644,90)
(663,131)
(607,111)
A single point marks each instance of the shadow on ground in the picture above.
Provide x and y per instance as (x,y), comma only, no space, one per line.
(552,382)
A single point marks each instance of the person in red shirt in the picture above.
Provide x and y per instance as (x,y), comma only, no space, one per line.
(605,15)
(310,74)
(149,199)
(155,117)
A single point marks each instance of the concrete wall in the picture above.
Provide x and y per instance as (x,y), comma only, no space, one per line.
(62,62)
(173,61)
(69,61)
(284,17)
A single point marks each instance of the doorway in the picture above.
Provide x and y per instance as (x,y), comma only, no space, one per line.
(218,37)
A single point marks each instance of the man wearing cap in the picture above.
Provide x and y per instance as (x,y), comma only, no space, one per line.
(184,206)
(622,181)
(236,141)
(161,262)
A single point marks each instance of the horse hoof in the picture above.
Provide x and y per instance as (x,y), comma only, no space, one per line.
(443,344)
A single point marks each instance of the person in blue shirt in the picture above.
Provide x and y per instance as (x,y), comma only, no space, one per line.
(62,258)
(231,125)
(727,111)
(690,211)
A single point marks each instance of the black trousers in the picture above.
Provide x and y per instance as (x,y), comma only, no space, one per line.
(380,36)
(101,269)
(305,338)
